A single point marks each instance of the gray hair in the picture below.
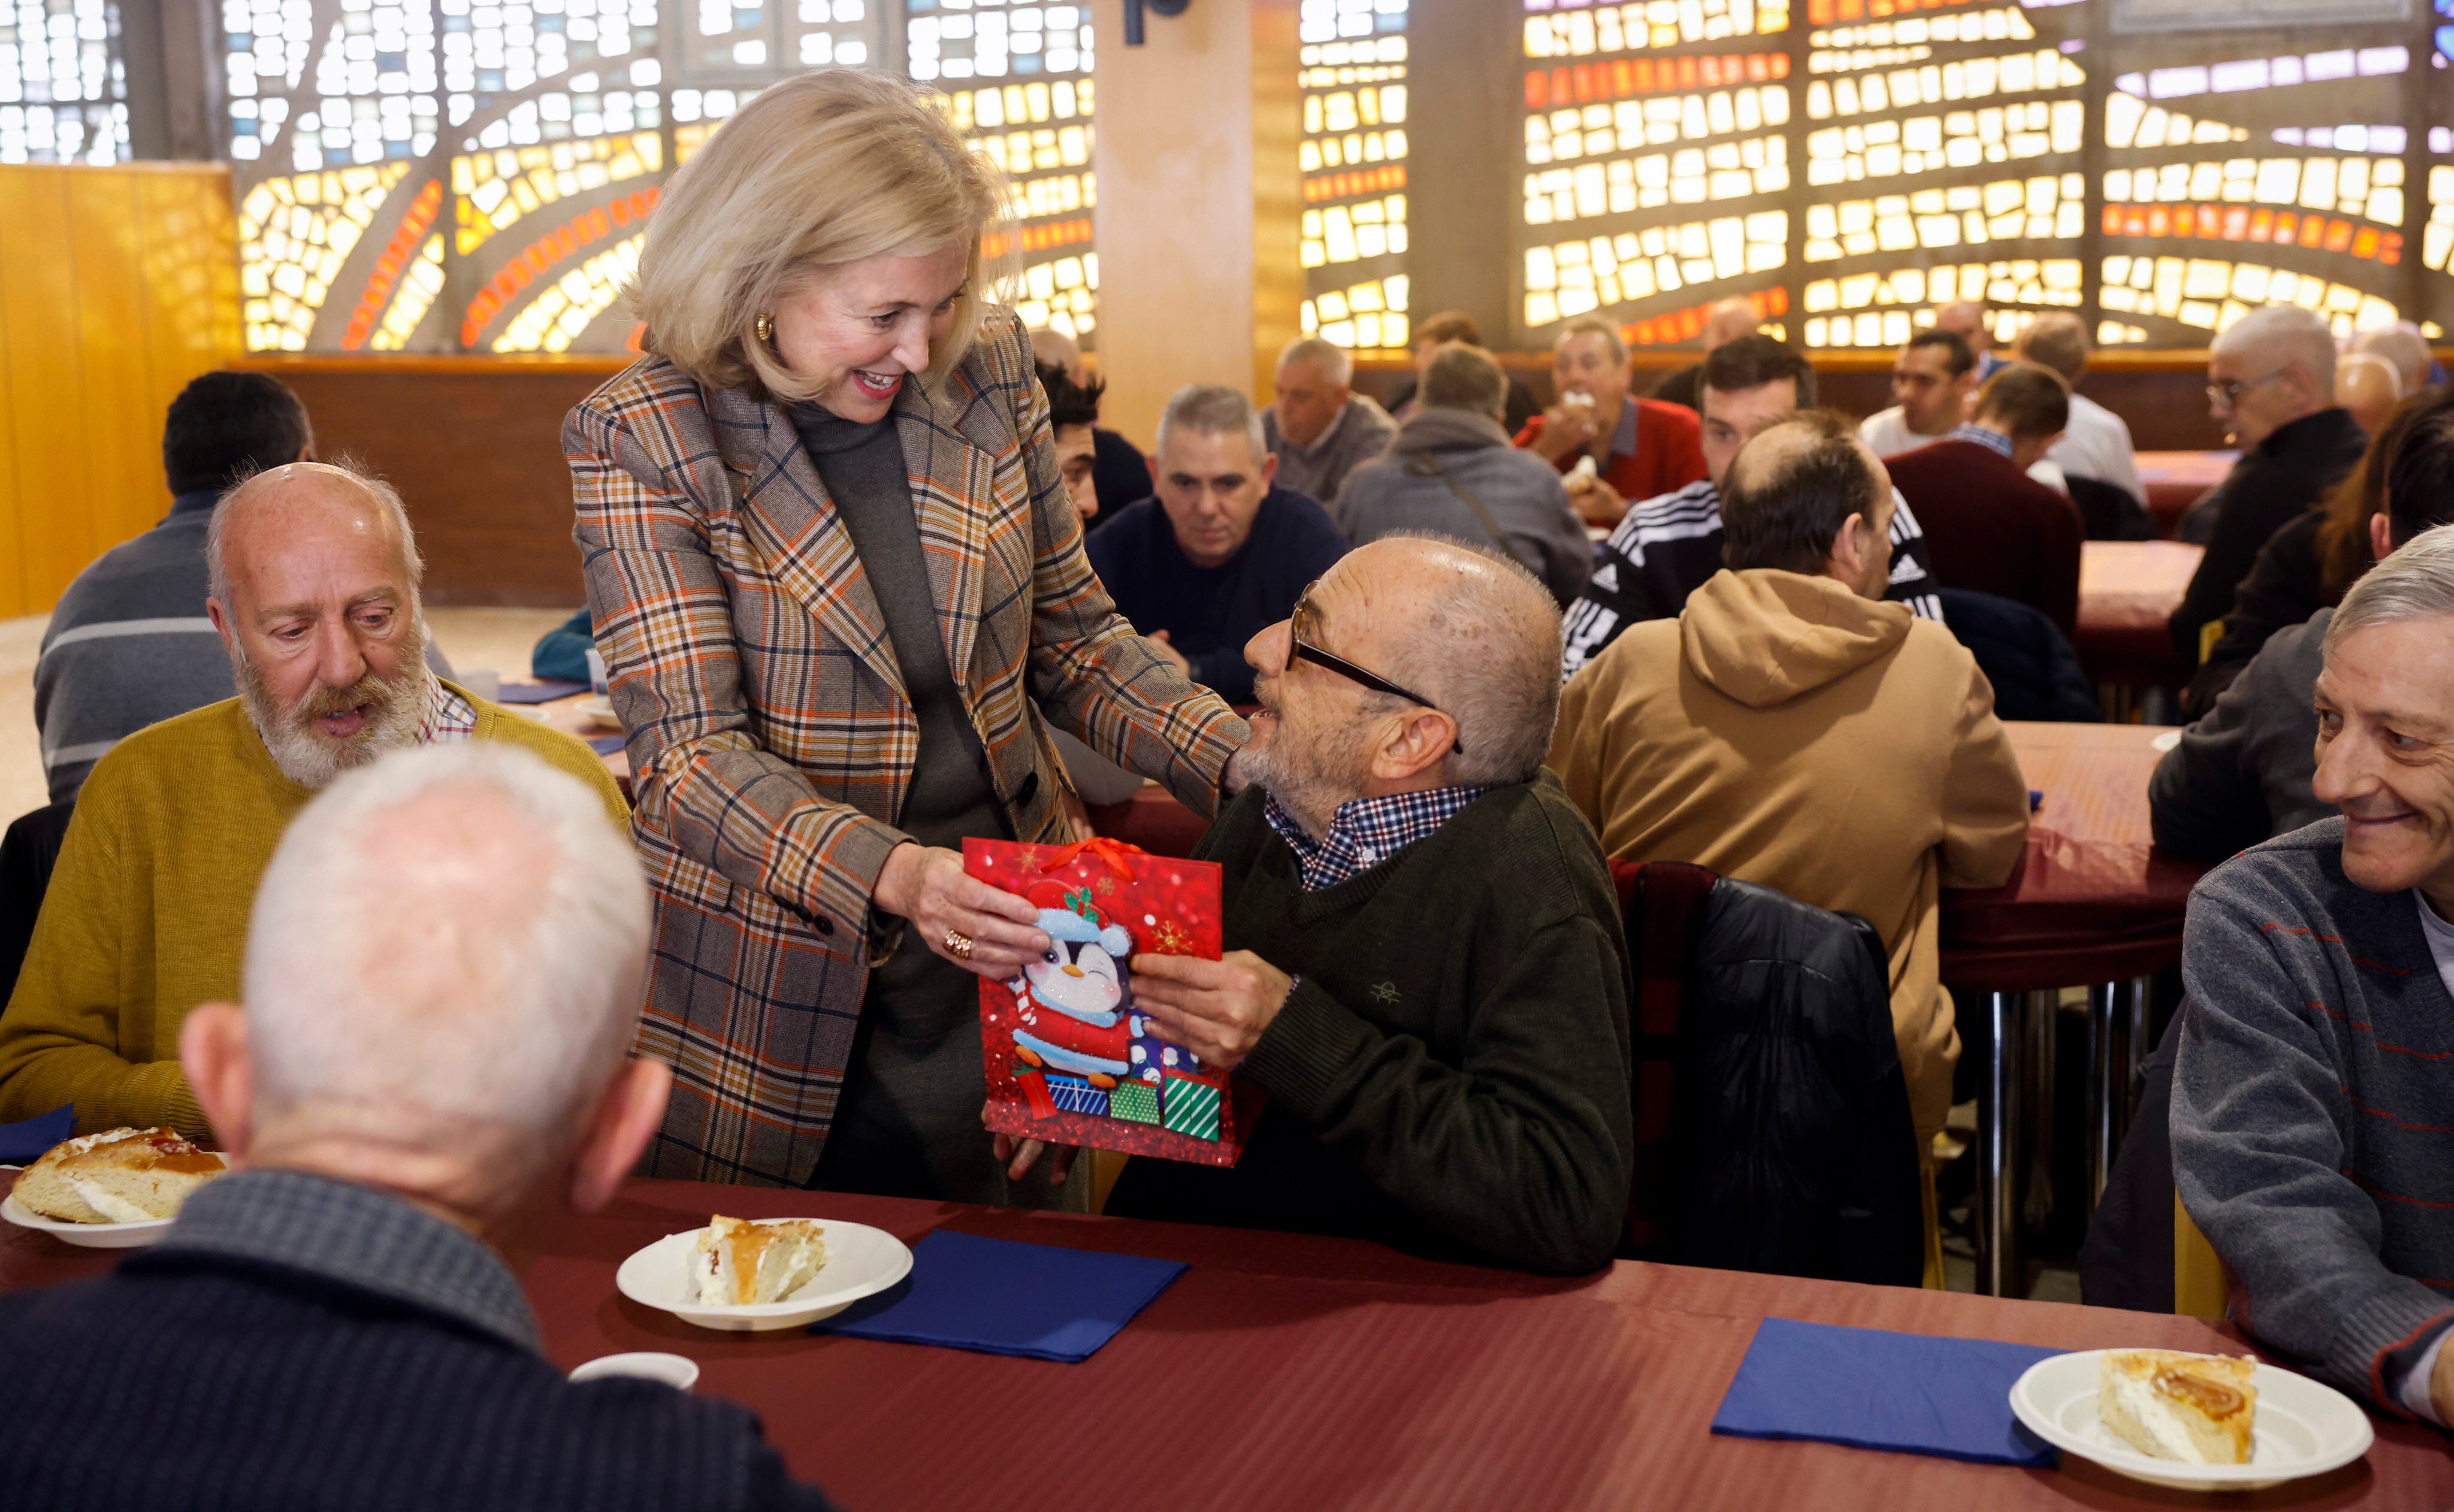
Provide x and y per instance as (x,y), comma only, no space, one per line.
(1464,377)
(1336,363)
(217,568)
(454,934)
(2403,347)
(1211,408)
(1488,651)
(2415,582)
(2282,334)
(1593,326)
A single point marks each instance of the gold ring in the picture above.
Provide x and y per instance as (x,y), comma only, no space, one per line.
(958,944)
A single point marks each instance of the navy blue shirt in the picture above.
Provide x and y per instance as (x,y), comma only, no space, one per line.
(1210,612)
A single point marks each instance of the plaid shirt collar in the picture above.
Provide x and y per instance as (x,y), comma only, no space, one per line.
(1994,441)
(448,717)
(1365,832)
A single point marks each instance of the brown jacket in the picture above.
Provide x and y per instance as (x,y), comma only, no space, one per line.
(1786,731)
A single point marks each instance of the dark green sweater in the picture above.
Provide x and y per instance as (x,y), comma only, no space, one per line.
(1451,1072)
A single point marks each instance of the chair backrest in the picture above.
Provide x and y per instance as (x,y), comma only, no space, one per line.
(2107,512)
(2035,673)
(1658,904)
(2198,1286)
(1773,1129)
(27,852)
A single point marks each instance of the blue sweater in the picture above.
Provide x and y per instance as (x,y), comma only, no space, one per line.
(2313,1125)
(1210,612)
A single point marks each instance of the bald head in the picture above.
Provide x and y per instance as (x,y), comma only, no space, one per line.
(1965,318)
(1472,639)
(314,579)
(1054,348)
(2368,386)
(1476,634)
(444,968)
(2401,347)
(319,508)
(1807,496)
(1729,320)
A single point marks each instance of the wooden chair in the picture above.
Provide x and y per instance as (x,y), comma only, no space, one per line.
(2198,1286)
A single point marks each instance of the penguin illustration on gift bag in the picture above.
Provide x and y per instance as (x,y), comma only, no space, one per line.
(1074,1005)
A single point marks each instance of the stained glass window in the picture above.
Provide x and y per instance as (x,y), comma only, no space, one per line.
(1353,159)
(475,174)
(1640,120)
(63,82)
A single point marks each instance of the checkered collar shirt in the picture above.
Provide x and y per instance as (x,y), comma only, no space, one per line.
(1994,441)
(1365,832)
(448,717)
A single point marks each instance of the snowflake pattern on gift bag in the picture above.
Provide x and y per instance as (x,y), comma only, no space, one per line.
(1067,1056)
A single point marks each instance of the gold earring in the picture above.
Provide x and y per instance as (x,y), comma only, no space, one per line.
(764,327)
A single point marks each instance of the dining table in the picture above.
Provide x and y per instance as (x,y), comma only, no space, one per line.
(2127,593)
(1303,1372)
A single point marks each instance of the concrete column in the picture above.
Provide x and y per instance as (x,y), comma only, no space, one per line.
(1199,210)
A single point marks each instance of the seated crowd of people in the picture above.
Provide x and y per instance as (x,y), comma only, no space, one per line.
(1479,650)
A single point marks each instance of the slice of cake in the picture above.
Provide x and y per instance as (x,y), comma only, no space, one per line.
(741,1263)
(121,1176)
(2195,1408)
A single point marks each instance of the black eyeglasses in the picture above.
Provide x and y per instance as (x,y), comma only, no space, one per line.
(1300,649)
(2226,395)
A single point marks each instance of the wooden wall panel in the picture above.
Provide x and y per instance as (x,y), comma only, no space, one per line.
(117,285)
(475,445)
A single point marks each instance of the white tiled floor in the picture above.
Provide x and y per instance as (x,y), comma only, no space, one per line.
(498,638)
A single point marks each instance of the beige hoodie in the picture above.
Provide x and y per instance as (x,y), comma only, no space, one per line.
(1786,731)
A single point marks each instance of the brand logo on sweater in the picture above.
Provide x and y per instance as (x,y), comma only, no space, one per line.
(1386,992)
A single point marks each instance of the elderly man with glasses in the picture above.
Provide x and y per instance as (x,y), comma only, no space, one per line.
(2271,384)
(1427,974)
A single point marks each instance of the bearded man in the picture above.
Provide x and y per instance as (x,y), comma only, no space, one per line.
(1426,971)
(315,591)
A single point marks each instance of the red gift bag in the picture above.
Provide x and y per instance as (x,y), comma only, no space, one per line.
(1068,1060)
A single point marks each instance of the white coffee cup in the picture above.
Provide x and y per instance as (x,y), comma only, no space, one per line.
(675,1370)
(595,671)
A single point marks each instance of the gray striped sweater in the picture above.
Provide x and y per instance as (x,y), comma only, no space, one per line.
(128,646)
(2313,1110)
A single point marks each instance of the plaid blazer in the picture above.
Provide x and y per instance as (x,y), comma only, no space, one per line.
(769,737)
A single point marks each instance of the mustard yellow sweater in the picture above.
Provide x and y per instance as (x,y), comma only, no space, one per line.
(148,911)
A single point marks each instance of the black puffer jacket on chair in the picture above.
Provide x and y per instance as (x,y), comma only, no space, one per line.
(1772,1122)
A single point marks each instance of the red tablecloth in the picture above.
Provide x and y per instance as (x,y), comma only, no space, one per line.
(2092,901)
(2175,481)
(1305,1373)
(2127,591)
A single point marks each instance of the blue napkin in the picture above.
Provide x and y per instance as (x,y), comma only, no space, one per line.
(20,1142)
(1874,1389)
(544,691)
(1000,1297)
(605,744)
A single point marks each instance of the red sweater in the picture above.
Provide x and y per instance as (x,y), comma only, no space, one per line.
(1992,529)
(1669,451)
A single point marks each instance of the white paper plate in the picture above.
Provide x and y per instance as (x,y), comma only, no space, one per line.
(599,712)
(2303,1428)
(91,1236)
(2165,741)
(861,1261)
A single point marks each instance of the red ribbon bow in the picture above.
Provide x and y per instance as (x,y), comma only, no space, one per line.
(1113,852)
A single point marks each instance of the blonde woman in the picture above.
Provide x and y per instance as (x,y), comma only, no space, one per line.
(838,584)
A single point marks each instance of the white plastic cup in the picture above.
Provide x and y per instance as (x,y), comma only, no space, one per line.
(676,1371)
(595,671)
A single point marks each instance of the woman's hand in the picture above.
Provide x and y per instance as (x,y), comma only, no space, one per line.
(926,886)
